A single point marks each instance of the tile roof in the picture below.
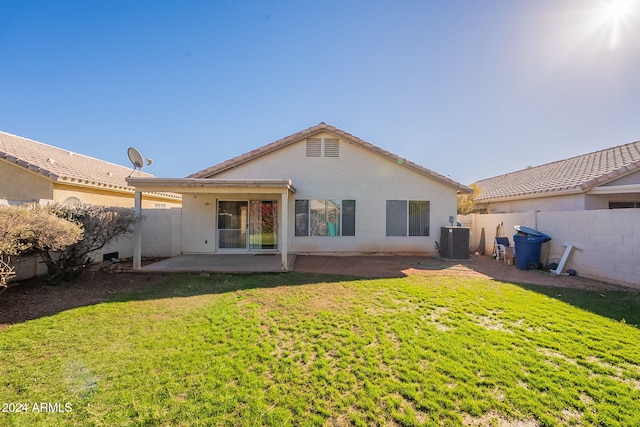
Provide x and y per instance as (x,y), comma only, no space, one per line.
(576,174)
(291,139)
(64,166)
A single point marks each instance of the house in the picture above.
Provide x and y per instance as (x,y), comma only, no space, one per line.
(321,190)
(605,179)
(31,171)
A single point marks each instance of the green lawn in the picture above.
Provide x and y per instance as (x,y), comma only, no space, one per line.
(301,349)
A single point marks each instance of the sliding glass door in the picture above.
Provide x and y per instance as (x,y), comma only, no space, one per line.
(251,225)
(232,224)
(263,225)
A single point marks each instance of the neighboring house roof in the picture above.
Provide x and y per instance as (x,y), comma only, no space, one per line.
(64,166)
(296,137)
(574,175)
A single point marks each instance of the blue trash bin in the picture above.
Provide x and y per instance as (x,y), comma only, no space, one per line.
(528,246)
(528,249)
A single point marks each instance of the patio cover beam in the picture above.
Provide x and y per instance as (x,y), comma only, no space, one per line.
(199,185)
(219,186)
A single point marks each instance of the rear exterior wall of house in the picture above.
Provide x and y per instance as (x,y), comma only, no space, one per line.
(348,173)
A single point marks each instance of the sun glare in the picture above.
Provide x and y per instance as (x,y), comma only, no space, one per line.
(615,11)
(614,18)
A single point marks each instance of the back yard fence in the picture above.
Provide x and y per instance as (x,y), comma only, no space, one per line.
(607,241)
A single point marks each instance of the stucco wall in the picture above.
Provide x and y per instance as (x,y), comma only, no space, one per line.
(630,179)
(94,196)
(592,202)
(357,175)
(608,239)
(198,223)
(18,184)
(558,203)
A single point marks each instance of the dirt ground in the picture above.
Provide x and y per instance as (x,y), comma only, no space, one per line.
(480,266)
(33,299)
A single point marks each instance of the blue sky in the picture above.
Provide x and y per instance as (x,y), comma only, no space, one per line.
(469,89)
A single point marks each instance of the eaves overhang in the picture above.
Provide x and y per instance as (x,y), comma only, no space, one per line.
(535,195)
(208,185)
(616,189)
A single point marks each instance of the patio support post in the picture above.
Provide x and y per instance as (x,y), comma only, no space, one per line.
(284,228)
(137,241)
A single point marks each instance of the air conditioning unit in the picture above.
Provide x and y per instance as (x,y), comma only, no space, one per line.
(454,242)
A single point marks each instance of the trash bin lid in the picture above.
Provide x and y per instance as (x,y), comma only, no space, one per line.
(531,232)
(529,239)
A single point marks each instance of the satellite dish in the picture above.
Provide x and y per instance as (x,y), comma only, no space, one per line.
(136,159)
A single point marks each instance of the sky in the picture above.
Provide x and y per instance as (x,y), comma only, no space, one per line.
(467,88)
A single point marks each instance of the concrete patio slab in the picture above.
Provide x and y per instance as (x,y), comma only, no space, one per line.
(369,266)
(221,263)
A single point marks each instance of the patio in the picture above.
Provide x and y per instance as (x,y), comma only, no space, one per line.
(220,263)
(368,266)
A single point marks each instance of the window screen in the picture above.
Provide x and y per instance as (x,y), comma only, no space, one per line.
(407,218)
(302,218)
(623,205)
(396,217)
(418,218)
(348,217)
(325,217)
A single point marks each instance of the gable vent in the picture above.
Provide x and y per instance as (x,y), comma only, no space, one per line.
(314,147)
(331,148)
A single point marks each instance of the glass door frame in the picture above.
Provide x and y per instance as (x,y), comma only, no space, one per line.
(243,227)
(263,233)
(248,222)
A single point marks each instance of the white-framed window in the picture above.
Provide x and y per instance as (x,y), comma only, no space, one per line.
(407,218)
(325,217)
(624,205)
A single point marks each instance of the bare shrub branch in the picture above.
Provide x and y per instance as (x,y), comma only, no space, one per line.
(100,224)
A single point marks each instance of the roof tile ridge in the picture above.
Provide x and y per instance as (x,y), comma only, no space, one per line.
(265,149)
(220,167)
(611,175)
(69,152)
(586,155)
(43,143)
(28,165)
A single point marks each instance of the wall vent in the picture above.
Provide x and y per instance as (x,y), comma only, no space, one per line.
(331,147)
(314,147)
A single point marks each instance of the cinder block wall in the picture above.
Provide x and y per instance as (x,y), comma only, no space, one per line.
(608,240)
(161,232)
